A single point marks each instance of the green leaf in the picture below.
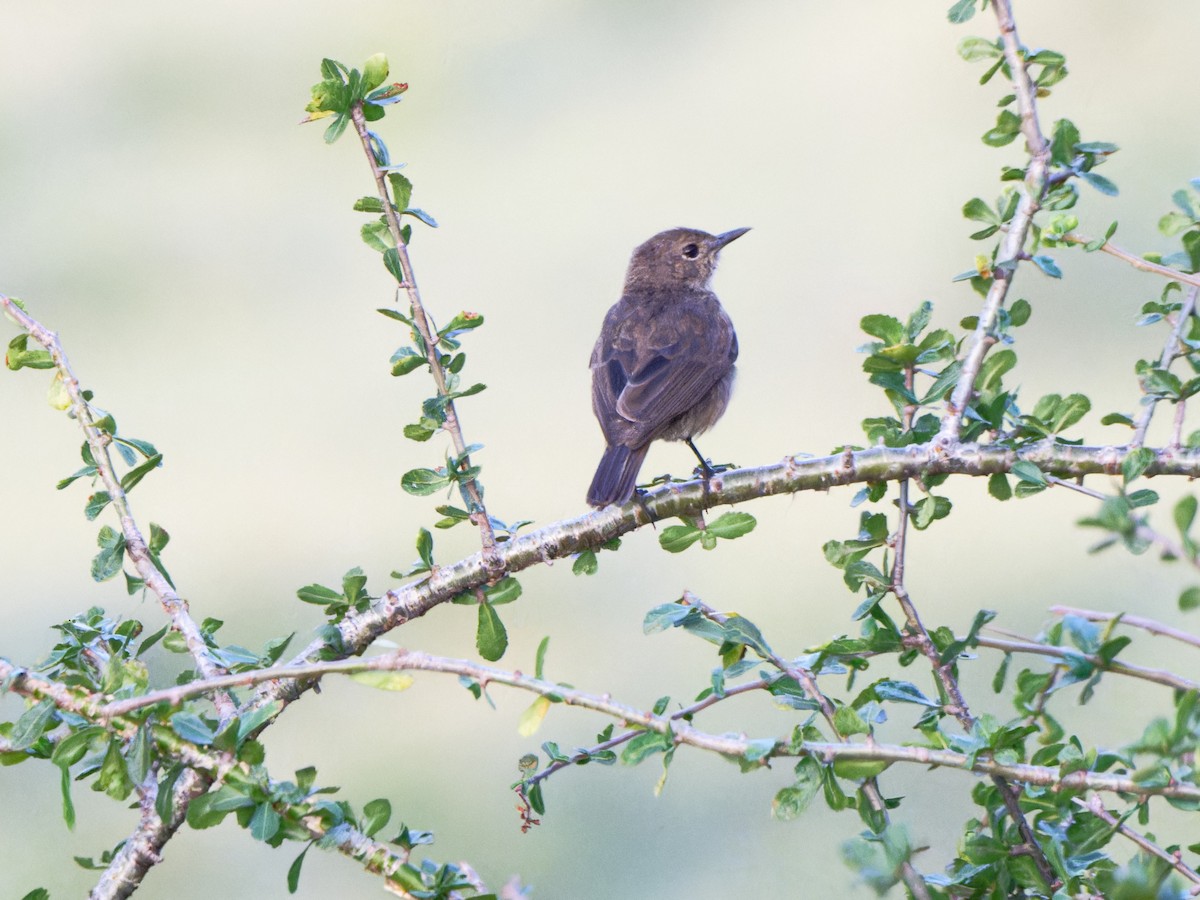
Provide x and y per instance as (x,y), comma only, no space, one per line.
(108,561)
(979,211)
(264,824)
(585,563)
(32,725)
(68,806)
(506,590)
(847,721)
(406,360)
(903,692)
(791,801)
(319,594)
(961,11)
(423,482)
(1028,472)
(491,639)
(887,328)
(1190,599)
(420,214)
(133,476)
(1047,265)
(376,814)
(402,190)
(676,538)
(1185,513)
(1100,183)
(732,525)
(96,504)
(391,261)
(293,875)
(1135,463)
(425,547)
(191,727)
(999,487)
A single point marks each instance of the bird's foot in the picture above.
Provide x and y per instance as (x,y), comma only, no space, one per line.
(708,469)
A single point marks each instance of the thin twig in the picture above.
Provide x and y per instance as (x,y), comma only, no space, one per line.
(1149,625)
(430,340)
(1157,676)
(1143,265)
(616,741)
(1170,350)
(1174,860)
(1031,191)
(135,544)
(1169,546)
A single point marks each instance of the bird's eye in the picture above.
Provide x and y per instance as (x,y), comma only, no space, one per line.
(691,251)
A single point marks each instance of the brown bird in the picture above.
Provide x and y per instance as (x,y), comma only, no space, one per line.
(663,366)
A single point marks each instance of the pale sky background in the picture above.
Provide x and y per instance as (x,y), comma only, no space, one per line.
(196,250)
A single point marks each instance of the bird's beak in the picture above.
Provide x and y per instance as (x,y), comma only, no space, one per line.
(723,239)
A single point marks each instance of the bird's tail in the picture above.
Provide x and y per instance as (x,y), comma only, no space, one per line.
(616,475)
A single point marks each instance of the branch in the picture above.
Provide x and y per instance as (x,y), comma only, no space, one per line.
(1096,808)
(1031,191)
(135,544)
(1149,625)
(1142,265)
(478,511)
(562,539)
(1170,349)
(1158,676)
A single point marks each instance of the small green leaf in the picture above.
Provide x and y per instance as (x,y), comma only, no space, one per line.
(1190,599)
(376,814)
(191,727)
(961,11)
(491,638)
(264,824)
(1100,183)
(133,476)
(1047,265)
(676,538)
(423,482)
(732,525)
(585,563)
(32,725)
(1136,462)
(391,261)
(999,487)
(1028,472)
(293,875)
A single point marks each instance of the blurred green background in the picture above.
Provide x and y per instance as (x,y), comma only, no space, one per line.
(196,250)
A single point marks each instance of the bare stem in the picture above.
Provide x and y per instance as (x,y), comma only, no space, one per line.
(1142,265)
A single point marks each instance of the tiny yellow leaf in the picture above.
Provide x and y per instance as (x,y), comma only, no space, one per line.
(531,719)
(57,395)
(384,681)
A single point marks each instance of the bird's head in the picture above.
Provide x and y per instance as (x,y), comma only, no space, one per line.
(681,257)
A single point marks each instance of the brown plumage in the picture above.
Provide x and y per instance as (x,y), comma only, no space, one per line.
(663,366)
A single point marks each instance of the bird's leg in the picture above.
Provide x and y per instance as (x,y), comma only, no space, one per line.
(705,466)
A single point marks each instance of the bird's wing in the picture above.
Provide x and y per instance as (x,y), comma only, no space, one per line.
(657,367)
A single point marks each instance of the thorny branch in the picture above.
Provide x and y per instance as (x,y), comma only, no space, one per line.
(1031,191)
(135,544)
(478,511)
